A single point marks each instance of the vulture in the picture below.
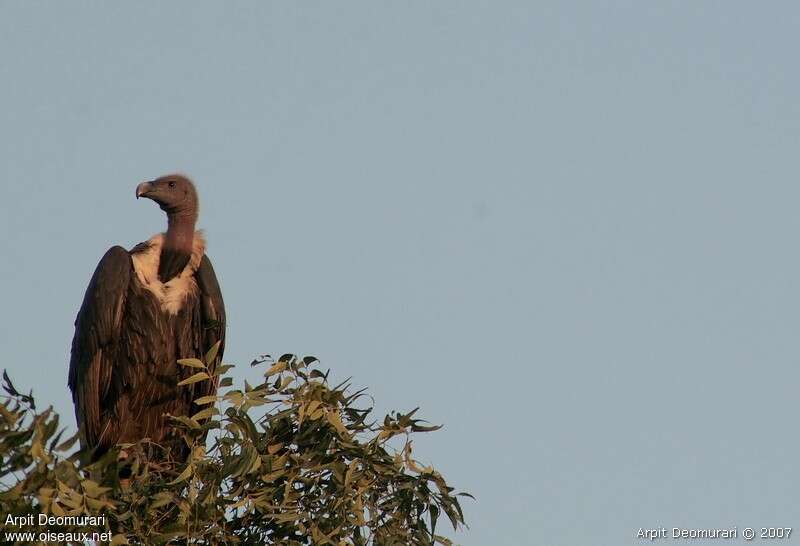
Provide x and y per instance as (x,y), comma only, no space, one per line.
(145,309)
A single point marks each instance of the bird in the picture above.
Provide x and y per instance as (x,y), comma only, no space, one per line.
(143,310)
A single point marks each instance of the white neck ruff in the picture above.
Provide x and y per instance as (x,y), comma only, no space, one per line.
(173,293)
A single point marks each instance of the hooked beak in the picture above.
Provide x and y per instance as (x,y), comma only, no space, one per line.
(143,189)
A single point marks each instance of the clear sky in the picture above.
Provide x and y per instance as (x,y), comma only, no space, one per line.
(567,230)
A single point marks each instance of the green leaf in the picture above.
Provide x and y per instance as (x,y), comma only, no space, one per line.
(68,443)
(234,397)
(276,368)
(192,363)
(204,414)
(211,355)
(336,421)
(185,475)
(188,421)
(93,489)
(223,368)
(161,499)
(199,376)
(309,464)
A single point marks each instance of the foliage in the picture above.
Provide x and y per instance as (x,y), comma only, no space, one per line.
(291,460)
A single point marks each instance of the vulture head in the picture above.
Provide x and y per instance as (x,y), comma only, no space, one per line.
(174,193)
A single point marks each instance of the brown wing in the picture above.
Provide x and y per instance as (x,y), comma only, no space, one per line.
(212,309)
(96,339)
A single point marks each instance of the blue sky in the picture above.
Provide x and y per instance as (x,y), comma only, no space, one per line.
(567,231)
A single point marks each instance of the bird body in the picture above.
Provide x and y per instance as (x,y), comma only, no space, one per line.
(138,318)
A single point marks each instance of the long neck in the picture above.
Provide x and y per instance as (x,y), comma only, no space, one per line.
(177,248)
(180,232)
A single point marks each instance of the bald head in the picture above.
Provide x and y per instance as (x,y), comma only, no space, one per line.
(174,193)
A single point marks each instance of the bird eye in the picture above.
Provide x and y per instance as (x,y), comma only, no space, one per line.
(171,183)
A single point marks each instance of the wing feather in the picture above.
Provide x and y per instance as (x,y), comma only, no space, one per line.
(212,309)
(96,339)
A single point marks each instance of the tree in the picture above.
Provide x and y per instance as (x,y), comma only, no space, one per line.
(292,460)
